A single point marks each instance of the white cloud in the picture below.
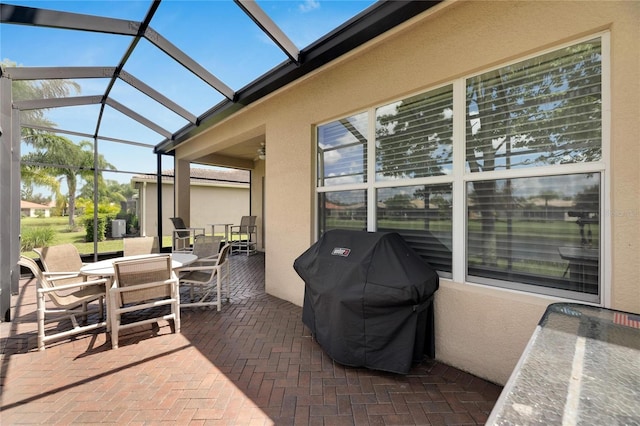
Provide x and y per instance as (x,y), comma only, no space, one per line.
(332,157)
(342,180)
(309,5)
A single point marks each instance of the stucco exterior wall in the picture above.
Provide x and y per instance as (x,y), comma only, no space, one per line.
(479,329)
(209,204)
(258,183)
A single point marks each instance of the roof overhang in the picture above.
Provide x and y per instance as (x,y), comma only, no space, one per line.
(376,20)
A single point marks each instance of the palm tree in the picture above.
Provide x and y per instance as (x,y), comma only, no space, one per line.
(58,157)
(43,89)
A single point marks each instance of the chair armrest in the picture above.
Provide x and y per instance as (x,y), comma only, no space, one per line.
(57,276)
(74,285)
(198,268)
(208,259)
(242,228)
(195,230)
(61,274)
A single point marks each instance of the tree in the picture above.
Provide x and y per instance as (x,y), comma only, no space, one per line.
(26,194)
(42,89)
(415,140)
(109,191)
(538,112)
(59,157)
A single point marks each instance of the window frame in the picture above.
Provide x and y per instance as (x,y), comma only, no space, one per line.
(460,176)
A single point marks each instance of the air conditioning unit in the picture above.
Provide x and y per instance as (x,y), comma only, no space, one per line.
(118,228)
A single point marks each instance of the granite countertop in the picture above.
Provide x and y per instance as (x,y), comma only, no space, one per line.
(581,366)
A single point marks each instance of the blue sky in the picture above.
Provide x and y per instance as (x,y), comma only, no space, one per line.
(217,34)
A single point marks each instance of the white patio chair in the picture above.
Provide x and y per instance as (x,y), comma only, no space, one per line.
(207,247)
(207,277)
(183,236)
(61,259)
(70,300)
(141,284)
(140,245)
(244,237)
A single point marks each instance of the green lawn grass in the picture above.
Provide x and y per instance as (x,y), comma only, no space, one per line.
(76,236)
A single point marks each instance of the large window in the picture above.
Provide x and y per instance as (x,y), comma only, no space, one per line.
(496,178)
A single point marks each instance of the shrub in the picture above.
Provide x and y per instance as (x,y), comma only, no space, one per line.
(102,227)
(106,213)
(36,236)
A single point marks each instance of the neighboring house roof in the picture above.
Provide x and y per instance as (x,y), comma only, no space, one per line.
(553,202)
(218,177)
(30,205)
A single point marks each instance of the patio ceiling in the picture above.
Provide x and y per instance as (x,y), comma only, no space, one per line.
(160,72)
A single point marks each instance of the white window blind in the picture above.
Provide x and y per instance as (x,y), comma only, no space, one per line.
(542,111)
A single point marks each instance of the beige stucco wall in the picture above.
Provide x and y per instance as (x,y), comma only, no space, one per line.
(258,183)
(208,204)
(479,329)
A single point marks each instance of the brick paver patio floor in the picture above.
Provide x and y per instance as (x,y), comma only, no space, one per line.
(252,363)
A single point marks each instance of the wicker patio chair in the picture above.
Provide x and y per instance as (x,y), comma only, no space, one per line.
(70,300)
(207,277)
(140,245)
(141,284)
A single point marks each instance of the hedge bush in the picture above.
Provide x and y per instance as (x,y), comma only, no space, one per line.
(102,228)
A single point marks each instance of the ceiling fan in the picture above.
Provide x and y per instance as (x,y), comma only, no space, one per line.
(262,152)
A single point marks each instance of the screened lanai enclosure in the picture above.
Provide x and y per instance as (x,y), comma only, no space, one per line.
(95,98)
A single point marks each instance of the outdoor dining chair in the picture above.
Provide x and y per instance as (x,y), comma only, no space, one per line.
(206,278)
(207,247)
(70,300)
(139,285)
(244,237)
(183,236)
(62,259)
(140,245)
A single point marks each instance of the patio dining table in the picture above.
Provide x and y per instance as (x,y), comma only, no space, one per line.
(104,268)
(226,229)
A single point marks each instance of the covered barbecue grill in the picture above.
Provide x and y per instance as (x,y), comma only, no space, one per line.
(368,299)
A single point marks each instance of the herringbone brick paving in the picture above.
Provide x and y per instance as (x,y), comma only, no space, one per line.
(252,363)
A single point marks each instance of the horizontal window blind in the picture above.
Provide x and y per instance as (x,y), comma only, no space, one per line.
(414,136)
(342,210)
(542,111)
(536,229)
(543,231)
(342,151)
(422,216)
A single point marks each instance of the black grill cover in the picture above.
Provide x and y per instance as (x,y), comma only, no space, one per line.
(366,298)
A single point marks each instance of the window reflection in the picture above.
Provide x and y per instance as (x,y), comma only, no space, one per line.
(422,215)
(342,151)
(342,210)
(543,231)
(414,136)
(542,111)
